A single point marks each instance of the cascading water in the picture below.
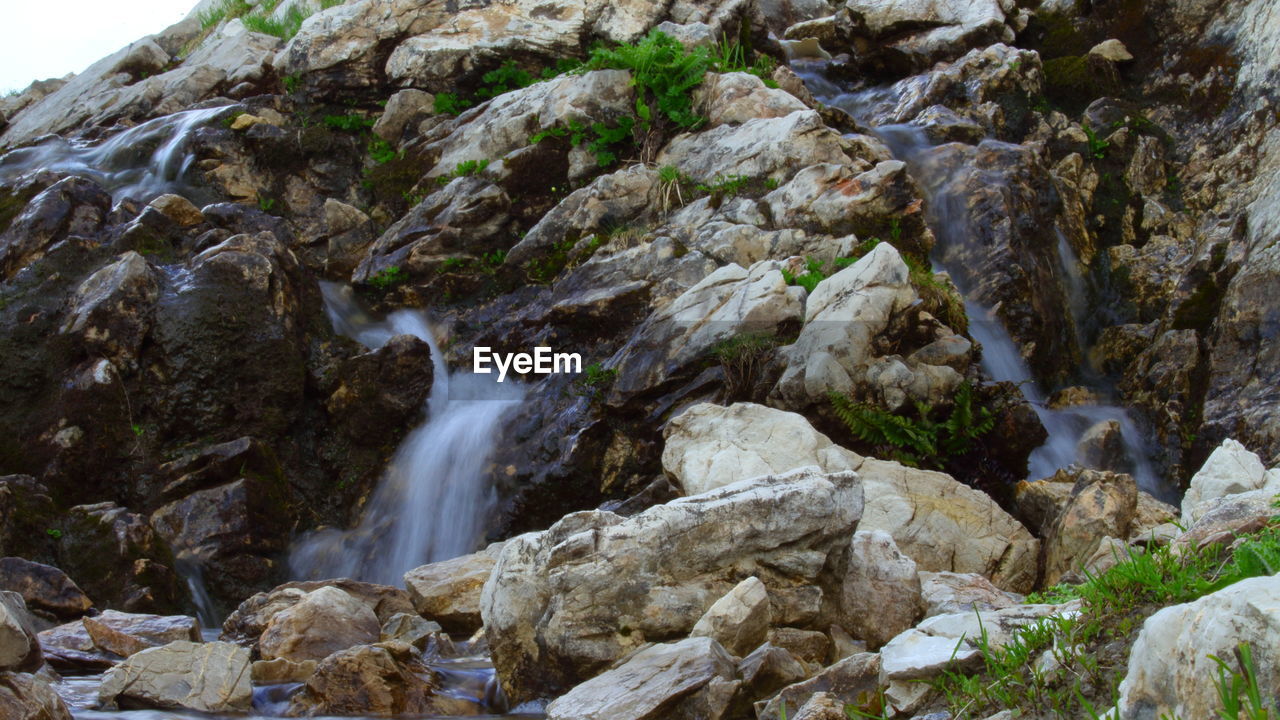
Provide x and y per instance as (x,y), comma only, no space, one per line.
(140,163)
(432,500)
(1001,359)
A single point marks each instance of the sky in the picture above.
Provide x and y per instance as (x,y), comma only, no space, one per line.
(42,39)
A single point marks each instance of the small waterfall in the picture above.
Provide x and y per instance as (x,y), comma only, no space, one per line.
(192,572)
(1001,359)
(432,500)
(141,162)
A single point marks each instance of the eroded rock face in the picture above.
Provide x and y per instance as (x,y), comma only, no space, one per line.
(1169,666)
(205,677)
(759,148)
(931,31)
(689,679)
(880,594)
(652,576)
(740,620)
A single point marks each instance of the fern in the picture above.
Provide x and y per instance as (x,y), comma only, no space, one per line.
(919,440)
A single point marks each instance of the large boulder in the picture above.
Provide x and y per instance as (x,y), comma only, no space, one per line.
(1102,505)
(30,697)
(111,312)
(939,523)
(250,620)
(650,577)
(43,588)
(759,148)
(729,302)
(205,677)
(1170,669)
(321,623)
(19,648)
(448,592)
(880,592)
(835,351)
(381,680)
(72,206)
(926,32)
(708,445)
(685,680)
(120,560)
(1230,469)
(100,641)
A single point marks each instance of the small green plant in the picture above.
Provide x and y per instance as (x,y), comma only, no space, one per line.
(453,264)
(664,73)
(1097,145)
(351,122)
(504,79)
(544,269)
(595,381)
(291,83)
(607,138)
(266,204)
(381,151)
(450,104)
(388,278)
(465,168)
(54,533)
(808,279)
(743,359)
(670,186)
(1238,690)
(725,186)
(920,440)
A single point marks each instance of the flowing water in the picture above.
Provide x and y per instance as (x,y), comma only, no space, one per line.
(1000,356)
(140,163)
(433,499)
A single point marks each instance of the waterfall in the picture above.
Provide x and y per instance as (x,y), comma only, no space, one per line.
(432,500)
(1001,359)
(141,162)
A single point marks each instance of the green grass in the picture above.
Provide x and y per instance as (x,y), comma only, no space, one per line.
(1091,648)
(262,18)
(388,278)
(466,168)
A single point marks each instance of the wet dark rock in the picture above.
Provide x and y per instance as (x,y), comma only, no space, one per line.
(381,392)
(73,206)
(27,514)
(44,588)
(120,560)
(30,697)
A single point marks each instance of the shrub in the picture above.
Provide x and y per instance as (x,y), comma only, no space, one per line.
(388,278)
(450,104)
(921,440)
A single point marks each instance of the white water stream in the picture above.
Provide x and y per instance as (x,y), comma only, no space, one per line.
(1000,356)
(432,501)
(140,163)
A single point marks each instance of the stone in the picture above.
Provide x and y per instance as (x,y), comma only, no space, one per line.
(764,672)
(842,318)
(381,680)
(30,697)
(758,148)
(381,391)
(1170,670)
(1225,518)
(840,200)
(847,681)
(948,592)
(810,646)
(281,670)
(1102,448)
(927,32)
(100,640)
(448,592)
(915,654)
(729,302)
(880,593)
(403,110)
(247,623)
(709,445)
(1111,50)
(19,648)
(650,684)
(120,560)
(43,588)
(740,620)
(321,623)
(650,577)
(939,523)
(737,97)
(205,677)
(417,631)
(111,311)
(1102,505)
(178,209)
(1230,469)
